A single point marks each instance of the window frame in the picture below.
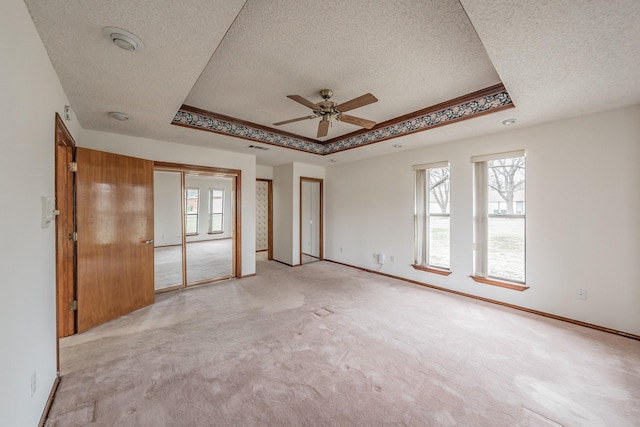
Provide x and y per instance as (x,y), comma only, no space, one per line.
(187,214)
(482,217)
(221,213)
(422,218)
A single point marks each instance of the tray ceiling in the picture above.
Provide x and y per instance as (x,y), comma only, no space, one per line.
(240,59)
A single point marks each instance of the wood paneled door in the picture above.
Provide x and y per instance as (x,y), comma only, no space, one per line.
(114,214)
(65,292)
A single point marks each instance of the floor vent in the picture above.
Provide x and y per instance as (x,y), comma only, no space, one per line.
(322,312)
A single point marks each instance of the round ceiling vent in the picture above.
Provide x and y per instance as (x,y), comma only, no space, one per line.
(123,38)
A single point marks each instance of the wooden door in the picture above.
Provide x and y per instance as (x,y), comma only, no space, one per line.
(114,203)
(64,229)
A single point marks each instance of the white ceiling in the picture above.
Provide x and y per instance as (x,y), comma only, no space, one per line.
(241,58)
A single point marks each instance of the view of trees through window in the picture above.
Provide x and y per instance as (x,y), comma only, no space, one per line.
(439,223)
(191,210)
(506,219)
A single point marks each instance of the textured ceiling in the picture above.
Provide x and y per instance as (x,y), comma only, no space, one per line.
(556,58)
(410,55)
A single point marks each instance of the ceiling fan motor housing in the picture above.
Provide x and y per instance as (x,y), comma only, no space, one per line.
(326,93)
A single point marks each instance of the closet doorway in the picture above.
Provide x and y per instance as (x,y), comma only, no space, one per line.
(264,218)
(311,221)
(196,232)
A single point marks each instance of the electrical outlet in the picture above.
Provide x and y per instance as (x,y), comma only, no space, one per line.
(581,294)
(341,250)
(33,383)
(392,258)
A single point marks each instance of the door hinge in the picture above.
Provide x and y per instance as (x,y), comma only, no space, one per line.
(73,167)
(73,305)
(73,236)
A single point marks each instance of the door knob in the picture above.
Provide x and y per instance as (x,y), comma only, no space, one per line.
(148,241)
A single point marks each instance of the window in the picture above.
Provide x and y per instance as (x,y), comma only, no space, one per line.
(216,210)
(499,218)
(191,210)
(431,218)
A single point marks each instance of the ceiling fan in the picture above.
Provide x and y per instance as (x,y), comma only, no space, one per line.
(329,109)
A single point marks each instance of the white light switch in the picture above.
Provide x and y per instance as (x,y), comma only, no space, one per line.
(48,211)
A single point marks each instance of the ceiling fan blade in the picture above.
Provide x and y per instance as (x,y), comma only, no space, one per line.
(368,124)
(358,102)
(303,101)
(294,120)
(323,128)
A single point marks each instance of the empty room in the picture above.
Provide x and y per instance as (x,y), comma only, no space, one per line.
(303,213)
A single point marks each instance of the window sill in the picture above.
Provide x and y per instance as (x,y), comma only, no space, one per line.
(500,283)
(215,232)
(431,270)
(192,234)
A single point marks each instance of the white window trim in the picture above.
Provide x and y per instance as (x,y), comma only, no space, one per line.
(421,216)
(211,213)
(481,216)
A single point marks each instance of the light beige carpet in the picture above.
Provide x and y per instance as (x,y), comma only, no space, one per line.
(327,345)
(208,259)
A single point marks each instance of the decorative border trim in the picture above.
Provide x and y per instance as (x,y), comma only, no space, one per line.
(489,100)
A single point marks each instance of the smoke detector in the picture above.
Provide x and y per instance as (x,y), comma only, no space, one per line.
(123,117)
(123,38)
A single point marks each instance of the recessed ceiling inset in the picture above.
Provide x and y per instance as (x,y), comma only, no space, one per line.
(485,101)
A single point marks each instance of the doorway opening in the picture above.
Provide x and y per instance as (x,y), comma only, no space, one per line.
(196,225)
(311,220)
(264,218)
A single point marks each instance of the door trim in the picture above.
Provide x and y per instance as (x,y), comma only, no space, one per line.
(66,322)
(321,228)
(269,216)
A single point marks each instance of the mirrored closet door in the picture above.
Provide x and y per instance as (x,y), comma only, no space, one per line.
(195,226)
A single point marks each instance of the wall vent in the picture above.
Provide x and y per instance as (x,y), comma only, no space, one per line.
(257,147)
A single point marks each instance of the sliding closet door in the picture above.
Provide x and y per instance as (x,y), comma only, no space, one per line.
(310,220)
(196,221)
(168,259)
(115,236)
(209,227)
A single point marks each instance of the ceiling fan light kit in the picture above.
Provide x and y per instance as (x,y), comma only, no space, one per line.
(329,109)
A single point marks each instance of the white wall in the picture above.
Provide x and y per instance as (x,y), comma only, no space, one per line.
(286,209)
(32,94)
(283,213)
(191,155)
(167,212)
(583,210)
(264,172)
